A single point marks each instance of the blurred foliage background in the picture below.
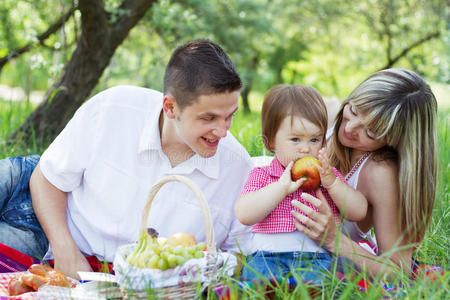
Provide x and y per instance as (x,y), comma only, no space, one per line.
(329,44)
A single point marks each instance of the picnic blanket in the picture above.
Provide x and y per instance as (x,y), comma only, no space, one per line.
(12,261)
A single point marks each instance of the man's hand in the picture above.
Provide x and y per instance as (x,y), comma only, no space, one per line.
(72,262)
(50,206)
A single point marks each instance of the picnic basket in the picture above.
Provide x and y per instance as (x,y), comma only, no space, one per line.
(128,276)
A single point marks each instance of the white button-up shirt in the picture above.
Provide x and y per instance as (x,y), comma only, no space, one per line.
(108,157)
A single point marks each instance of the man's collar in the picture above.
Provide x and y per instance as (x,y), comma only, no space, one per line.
(208,166)
(151,140)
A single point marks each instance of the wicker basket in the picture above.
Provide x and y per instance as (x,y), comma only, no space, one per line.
(185,290)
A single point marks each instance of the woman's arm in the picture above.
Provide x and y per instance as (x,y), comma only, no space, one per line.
(320,226)
(254,206)
(351,203)
(378,181)
(50,204)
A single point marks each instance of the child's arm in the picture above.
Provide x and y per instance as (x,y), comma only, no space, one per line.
(351,203)
(254,206)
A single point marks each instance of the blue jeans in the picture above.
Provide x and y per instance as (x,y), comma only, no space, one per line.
(309,266)
(19,227)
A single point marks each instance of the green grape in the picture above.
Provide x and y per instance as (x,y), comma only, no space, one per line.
(180,259)
(178,250)
(166,248)
(152,263)
(162,264)
(172,260)
(164,254)
(192,249)
(201,246)
(199,254)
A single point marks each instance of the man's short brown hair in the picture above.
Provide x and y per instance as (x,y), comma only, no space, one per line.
(291,100)
(198,68)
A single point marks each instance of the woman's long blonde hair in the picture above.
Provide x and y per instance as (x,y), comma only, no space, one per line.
(400,109)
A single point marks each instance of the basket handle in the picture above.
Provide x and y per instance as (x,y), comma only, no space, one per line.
(210,242)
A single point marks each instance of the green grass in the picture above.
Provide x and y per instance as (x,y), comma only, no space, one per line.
(12,114)
(247,129)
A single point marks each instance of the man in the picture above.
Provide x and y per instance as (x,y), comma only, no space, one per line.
(91,184)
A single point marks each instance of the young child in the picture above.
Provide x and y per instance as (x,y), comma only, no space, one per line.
(294,123)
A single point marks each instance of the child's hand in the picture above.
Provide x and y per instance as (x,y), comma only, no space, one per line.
(327,176)
(286,180)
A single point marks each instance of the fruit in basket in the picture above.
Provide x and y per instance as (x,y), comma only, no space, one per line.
(181,239)
(305,168)
(151,252)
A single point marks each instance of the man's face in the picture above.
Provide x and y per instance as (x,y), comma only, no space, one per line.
(202,124)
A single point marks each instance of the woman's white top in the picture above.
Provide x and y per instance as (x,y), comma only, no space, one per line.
(351,229)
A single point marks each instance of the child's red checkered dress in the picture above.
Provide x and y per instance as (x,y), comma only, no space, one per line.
(280,219)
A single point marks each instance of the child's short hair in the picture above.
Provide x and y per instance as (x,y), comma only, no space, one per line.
(291,100)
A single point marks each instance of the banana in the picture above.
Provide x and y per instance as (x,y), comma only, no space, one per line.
(131,259)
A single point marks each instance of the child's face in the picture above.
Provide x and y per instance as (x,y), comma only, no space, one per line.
(297,138)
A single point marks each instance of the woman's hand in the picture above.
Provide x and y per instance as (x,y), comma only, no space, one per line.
(317,225)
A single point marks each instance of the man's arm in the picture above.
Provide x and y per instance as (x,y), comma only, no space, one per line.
(50,206)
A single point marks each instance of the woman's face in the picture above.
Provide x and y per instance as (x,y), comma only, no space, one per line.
(354,134)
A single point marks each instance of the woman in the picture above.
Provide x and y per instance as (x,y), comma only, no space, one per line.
(385,140)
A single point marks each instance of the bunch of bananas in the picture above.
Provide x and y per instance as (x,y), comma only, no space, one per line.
(160,253)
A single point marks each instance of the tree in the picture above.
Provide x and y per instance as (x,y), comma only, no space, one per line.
(101,34)
(239,26)
(39,40)
(403,25)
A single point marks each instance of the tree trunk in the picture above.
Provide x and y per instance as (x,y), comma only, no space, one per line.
(245,92)
(247,88)
(279,75)
(98,41)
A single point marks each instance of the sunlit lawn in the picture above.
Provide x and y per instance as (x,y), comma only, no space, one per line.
(246,128)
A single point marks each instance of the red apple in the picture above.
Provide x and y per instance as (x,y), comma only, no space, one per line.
(305,168)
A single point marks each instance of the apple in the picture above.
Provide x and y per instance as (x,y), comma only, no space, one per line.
(184,239)
(305,168)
